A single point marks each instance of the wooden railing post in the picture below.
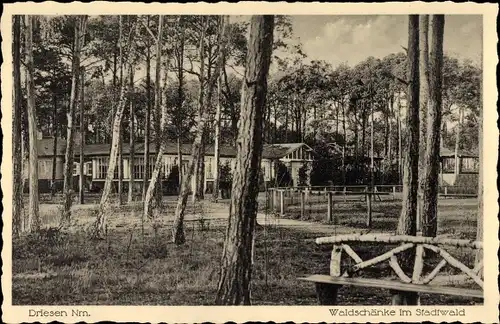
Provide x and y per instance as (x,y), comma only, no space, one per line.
(275,199)
(271,198)
(369,209)
(345,194)
(330,206)
(302,203)
(282,202)
(445,191)
(393,192)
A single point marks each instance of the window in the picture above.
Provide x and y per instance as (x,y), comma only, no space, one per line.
(448,164)
(88,168)
(185,165)
(470,164)
(102,168)
(208,172)
(76,170)
(138,167)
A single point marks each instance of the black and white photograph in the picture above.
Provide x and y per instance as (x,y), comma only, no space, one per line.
(215,159)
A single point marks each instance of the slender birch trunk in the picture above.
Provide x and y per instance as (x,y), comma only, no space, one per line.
(147,121)
(100,223)
(79,29)
(201,100)
(131,162)
(81,178)
(178,227)
(54,149)
(158,109)
(152,188)
(33,211)
(215,194)
(120,138)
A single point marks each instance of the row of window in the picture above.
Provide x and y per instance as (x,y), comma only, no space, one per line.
(139,168)
(466,164)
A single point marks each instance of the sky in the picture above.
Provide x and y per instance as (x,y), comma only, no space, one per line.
(351,39)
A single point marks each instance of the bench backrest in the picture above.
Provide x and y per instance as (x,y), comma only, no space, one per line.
(419,243)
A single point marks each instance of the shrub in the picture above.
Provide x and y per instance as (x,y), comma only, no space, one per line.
(283,176)
(303,175)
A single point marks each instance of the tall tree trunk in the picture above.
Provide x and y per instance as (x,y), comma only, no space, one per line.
(389,120)
(33,211)
(69,156)
(180,101)
(54,149)
(344,143)
(178,227)
(432,156)
(147,121)
(480,186)
(158,108)
(237,257)
(161,109)
(120,138)
(201,101)
(407,221)
(131,160)
(17,203)
(179,161)
(457,139)
(400,143)
(215,194)
(81,178)
(100,224)
(424,98)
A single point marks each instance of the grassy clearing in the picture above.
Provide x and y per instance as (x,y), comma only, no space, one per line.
(457,217)
(128,268)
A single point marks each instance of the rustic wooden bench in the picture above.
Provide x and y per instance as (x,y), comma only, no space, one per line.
(406,290)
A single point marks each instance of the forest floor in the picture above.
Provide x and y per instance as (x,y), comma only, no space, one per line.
(132,266)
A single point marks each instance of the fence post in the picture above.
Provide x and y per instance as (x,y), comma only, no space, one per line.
(275,199)
(282,203)
(393,192)
(270,195)
(330,206)
(445,191)
(345,194)
(302,203)
(369,209)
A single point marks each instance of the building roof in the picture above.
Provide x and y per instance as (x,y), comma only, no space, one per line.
(278,151)
(445,152)
(269,151)
(46,147)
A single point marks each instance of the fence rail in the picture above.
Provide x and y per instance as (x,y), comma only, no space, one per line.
(298,200)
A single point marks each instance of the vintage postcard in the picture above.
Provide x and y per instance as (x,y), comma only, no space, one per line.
(302,162)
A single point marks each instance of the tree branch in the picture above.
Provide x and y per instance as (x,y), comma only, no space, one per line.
(149,31)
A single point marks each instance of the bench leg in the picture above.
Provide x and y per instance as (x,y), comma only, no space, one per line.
(405,298)
(327,293)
